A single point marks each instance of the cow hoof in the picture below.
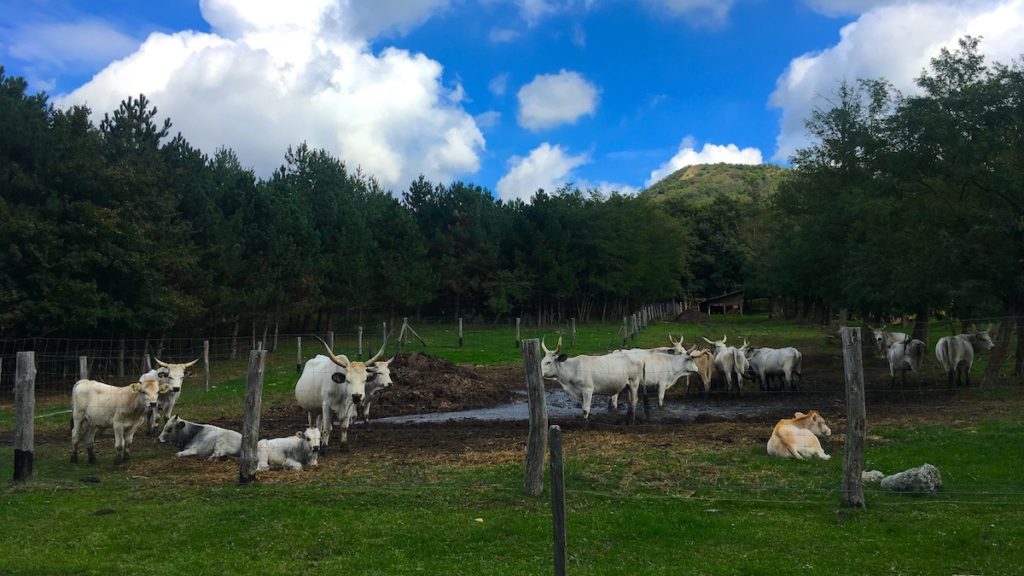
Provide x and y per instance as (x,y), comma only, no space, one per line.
(92,457)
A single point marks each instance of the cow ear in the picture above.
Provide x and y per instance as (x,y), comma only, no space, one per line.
(338,377)
(181,425)
(561,358)
(300,434)
(800,415)
(136,386)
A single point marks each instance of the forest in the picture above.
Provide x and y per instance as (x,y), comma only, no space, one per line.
(902,204)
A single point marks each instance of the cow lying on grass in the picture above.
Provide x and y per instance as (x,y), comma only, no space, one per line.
(291,453)
(202,440)
(798,437)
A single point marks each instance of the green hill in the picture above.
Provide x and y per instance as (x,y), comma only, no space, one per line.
(698,185)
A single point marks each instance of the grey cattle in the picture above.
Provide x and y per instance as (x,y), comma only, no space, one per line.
(784,363)
(956,353)
(883,339)
(730,362)
(583,376)
(333,383)
(95,405)
(662,367)
(291,453)
(172,375)
(904,356)
(377,379)
(202,440)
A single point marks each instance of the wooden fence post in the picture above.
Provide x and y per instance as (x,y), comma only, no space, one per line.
(251,425)
(298,354)
(519,342)
(572,326)
(625,331)
(460,331)
(24,415)
(853,457)
(120,360)
(536,443)
(558,501)
(360,356)
(83,367)
(206,363)
(330,339)
(277,324)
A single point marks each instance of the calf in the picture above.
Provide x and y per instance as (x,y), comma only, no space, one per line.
(95,405)
(797,437)
(202,440)
(292,452)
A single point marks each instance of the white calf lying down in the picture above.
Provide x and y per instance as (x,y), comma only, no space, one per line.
(292,452)
(202,440)
(798,437)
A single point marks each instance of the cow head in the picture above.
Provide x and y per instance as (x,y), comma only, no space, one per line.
(814,422)
(311,441)
(148,391)
(172,428)
(379,374)
(173,374)
(355,374)
(982,338)
(718,344)
(551,357)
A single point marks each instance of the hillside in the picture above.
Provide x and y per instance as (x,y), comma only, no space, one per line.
(698,185)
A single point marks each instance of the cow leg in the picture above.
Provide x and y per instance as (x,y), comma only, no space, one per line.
(345,420)
(661,394)
(634,400)
(613,402)
(324,421)
(366,414)
(90,442)
(588,396)
(118,444)
(76,427)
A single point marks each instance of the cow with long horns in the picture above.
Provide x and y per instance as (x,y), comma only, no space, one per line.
(583,376)
(173,376)
(730,362)
(333,383)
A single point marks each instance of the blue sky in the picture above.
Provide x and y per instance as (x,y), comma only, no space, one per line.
(512,95)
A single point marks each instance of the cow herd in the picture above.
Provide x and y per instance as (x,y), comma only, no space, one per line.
(954,353)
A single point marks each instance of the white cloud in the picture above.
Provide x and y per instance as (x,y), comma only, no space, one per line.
(852,7)
(503,35)
(533,11)
(546,167)
(579,36)
(277,76)
(709,154)
(700,11)
(554,99)
(892,42)
(85,42)
(489,119)
(498,84)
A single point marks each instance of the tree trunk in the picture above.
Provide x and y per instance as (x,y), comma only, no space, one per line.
(1019,367)
(921,323)
(995,363)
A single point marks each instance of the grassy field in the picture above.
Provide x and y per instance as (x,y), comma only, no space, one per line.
(696,499)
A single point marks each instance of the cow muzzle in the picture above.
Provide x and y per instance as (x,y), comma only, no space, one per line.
(152,406)
(357,398)
(176,390)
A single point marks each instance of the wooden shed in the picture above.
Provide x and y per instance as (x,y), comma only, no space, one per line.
(729,303)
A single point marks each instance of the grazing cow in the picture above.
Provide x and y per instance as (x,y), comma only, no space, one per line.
(956,353)
(376,380)
(332,383)
(730,362)
(584,376)
(662,367)
(798,437)
(903,356)
(886,339)
(780,362)
(202,440)
(95,405)
(291,453)
(172,375)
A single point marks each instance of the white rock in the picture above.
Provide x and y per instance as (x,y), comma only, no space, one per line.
(925,479)
(872,476)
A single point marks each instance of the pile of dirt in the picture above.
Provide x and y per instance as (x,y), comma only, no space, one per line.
(692,316)
(425,383)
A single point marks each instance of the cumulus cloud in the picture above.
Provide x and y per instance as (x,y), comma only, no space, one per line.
(274,75)
(709,154)
(546,167)
(893,42)
(551,100)
(699,11)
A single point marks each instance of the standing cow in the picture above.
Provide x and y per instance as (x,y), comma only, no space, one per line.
(956,353)
(662,367)
(730,362)
(783,363)
(335,384)
(380,380)
(95,405)
(904,356)
(583,376)
(885,339)
(172,375)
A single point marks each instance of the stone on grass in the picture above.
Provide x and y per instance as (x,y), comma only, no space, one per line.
(872,476)
(922,480)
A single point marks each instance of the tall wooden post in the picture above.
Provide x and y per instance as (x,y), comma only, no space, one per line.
(330,339)
(298,354)
(625,331)
(360,356)
(572,326)
(536,443)
(519,342)
(206,363)
(120,360)
(277,324)
(558,502)
(83,367)
(24,415)
(460,331)
(251,425)
(853,457)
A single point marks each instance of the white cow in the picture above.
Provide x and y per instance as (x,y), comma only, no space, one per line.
(780,362)
(291,453)
(903,356)
(584,376)
(886,339)
(798,437)
(202,440)
(95,405)
(662,367)
(332,383)
(376,380)
(730,362)
(956,353)
(173,375)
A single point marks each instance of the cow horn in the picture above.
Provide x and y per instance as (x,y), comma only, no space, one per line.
(379,352)
(559,348)
(544,346)
(724,338)
(708,341)
(160,362)
(191,363)
(341,360)
(883,327)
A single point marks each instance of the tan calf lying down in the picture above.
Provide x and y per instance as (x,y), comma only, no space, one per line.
(798,437)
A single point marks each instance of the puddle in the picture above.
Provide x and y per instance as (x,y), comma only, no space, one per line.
(561,405)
